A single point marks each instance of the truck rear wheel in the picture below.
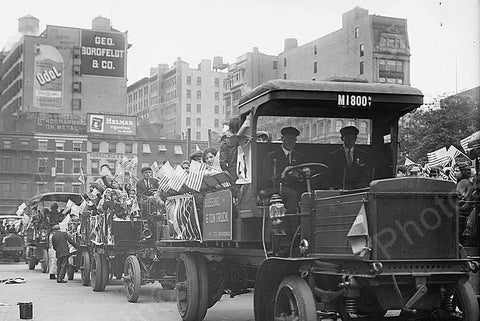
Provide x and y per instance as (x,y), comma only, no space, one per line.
(85,268)
(187,287)
(294,300)
(466,301)
(45,261)
(203,298)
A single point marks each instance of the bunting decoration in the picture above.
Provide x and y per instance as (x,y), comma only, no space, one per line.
(358,235)
(182,215)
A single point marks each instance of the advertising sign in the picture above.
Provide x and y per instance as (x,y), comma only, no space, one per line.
(60,124)
(111,124)
(102,53)
(217,216)
(48,80)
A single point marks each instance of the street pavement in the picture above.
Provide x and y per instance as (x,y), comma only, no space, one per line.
(72,301)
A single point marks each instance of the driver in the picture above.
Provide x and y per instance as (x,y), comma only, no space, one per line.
(274,164)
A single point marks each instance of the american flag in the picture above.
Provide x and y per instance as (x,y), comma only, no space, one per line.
(178,178)
(164,174)
(464,143)
(155,167)
(439,157)
(129,164)
(195,176)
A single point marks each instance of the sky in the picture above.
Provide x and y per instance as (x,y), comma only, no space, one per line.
(444,35)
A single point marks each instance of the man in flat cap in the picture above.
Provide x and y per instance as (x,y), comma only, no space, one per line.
(274,164)
(148,185)
(348,166)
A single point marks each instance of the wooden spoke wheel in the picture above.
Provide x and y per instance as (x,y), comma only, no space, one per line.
(132,279)
(85,267)
(44,261)
(294,301)
(465,302)
(187,287)
(99,272)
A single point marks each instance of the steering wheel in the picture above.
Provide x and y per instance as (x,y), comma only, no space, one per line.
(304,171)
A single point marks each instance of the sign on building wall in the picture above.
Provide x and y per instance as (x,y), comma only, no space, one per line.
(102,53)
(60,124)
(111,124)
(48,77)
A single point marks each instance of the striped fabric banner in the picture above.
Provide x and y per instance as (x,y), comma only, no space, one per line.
(195,176)
(183,217)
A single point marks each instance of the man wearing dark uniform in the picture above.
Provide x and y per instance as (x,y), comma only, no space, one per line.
(348,165)
(274,164)
(60,242)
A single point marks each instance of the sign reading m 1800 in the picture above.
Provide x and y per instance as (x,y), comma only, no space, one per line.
(103,53)
(352,100)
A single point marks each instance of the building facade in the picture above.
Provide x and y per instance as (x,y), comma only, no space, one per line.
(180,100)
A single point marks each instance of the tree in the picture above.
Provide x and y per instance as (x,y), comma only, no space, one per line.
(429,130)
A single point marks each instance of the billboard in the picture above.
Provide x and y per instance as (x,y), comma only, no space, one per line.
(60,124)
(102,53)
(48,80)
(111,124)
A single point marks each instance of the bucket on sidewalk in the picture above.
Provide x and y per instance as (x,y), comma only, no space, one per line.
(26,310)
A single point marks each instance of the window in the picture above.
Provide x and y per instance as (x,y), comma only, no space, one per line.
(76,188)
(199,122)
(77,87)
(361,67)
(42,145)
(199,94)
(7,144)
(199,108)
(59,145)
(217,82)
(162,148)
(177,149)
(59,187)
(391,42)
(189,108)
(217,95)
(391,65)
(362,49)
(314,49)
(314,129)
(6,163)
(284,62)
(399,65)
(236,95)
(189,93)
(59,166)
(95,164)
(42,165)
(338,125)
(24,142)
(77,165)
(397,43)
(76,104)
(199,81)
(77,146)
(146,149)
(315,67)
(95,147)
(217,109)
(128,148)
(357,32)
(6,188)
(187,121)
(215,123)
(284,76)
(23,187)
(198,136)
(41,187)
(363,127)
(24,163)
(189,80)
(112,147)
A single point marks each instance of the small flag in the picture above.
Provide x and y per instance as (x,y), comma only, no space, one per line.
(439,157)
(464,143)
(164,174)
(81,178)
(195,175)
(178,178)
(408,162)
(358,234)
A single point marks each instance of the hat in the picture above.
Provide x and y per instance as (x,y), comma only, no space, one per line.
(146,168)
(197,153)
(56,227)
(290,131)
(349,130)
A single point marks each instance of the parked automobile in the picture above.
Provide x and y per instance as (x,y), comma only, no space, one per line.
(12,244)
